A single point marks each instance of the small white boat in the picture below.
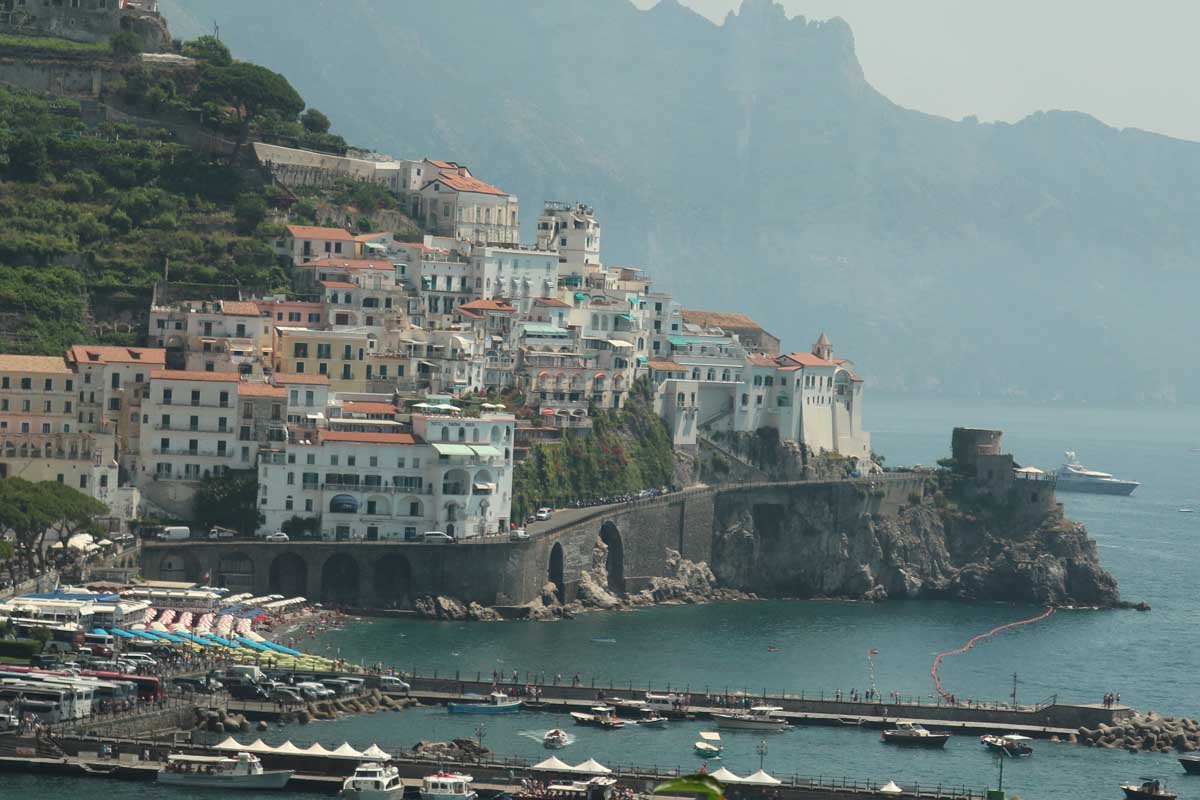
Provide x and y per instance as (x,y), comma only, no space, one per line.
(243,771)
(649,718)
(447,786)
(709,745)
(758,718)
(555,738)
(598,788)
(373,782)
(494,703)
(1013,745)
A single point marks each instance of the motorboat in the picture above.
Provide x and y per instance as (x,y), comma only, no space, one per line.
(447,786)
(601,717)
(1013,745)
(597,788)
(373,781)
(555,739)
(241,771)
(1191,764)
(649,718)
(757,718)
(1074,477)
(709,745)
(494,703)
(1148,789)
(914,735)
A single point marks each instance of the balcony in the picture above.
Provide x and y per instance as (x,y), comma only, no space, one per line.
(385,488)
(187,428)
(190,452)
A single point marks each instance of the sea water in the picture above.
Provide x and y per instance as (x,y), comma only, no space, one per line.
(821,646)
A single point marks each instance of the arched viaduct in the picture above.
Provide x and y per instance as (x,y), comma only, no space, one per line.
(496,571)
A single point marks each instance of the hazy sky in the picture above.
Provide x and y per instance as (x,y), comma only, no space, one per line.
(1130,64)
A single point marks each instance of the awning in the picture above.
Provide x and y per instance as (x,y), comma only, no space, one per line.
(485,487)
(452,449)
(628,317)
(619,343)
(547,412)
(121,633)
(486,450)
(580,296)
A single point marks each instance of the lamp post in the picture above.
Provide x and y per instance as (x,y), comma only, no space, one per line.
(480,732)
(761,749)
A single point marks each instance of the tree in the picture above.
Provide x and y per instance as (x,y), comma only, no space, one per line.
(229,501)
(30,510)
(41,635)
(249,211)
(208,49)
(125,46)
(27,158)
(251,91)
(314,121)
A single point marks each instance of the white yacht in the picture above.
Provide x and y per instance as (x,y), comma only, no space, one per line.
(374,782)
(1074,477)
(243,771)
(447,786)
(758,718)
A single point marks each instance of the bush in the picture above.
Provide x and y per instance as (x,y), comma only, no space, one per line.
(20,648)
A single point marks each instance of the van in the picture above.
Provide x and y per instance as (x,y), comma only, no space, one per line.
(175,533)
(246,671)
(387,683)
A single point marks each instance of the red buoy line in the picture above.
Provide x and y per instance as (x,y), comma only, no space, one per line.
(937,660)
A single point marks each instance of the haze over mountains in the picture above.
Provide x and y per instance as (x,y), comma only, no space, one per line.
(751,166)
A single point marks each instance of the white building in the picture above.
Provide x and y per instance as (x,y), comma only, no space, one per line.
(516,274)
(455,204)
(450,474)
(573,232)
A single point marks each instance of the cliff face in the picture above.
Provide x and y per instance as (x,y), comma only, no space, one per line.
(844,544)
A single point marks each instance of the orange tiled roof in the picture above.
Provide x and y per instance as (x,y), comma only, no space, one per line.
(286,378)
(316,232)
(333,262)
(442,164)
(83,354)
(240,308)
(260,390)
(366,237)
(338,285)
(363,437)
(487,305)
(806,360)
(362,407)
(15,363)
(194,375)
(461,183)
(666,366)
(720,319)
(759,360)
(551,302)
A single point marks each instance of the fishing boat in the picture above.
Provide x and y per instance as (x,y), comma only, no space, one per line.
(709,745)
(1013,745)
(555,738)
(758,718)
(373,781)
(914,735)
(1148,789)
(494,703)
(447,786)
(243,771)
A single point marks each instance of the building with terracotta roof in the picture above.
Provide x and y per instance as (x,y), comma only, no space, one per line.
(456,204)
(450,473)
(340,355)
(303,243)
(109,382)
(212,335)
(749,332)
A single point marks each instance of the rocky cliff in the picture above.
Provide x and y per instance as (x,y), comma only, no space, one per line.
(942,542)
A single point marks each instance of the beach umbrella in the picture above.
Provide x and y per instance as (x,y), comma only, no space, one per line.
(890,788)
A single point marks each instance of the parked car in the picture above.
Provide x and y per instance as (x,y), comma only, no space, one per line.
(517,534)
(248,691)
(8,722)
(197,685)
(286,694)
(437,537)
(277,536)
(316,690)
(43,661)
(139,658)
(390,684)
(544,513)
(339,687)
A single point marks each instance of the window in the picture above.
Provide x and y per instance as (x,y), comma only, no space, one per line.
(116,380)
(300,350)
(164,445)
(247,410)
(25,406)
(333,460)
(374,461)
(745,399)
(46,406)
(287,503)
(291,479)
(351,461)
(49,385)
(4,382)
(400,463)
(193,423)
(323,351)
(83,481)
(45,427)
(346,374)
(114,404)
(195,397)
(308,504)
(223,400)
(221,447)
(26,383)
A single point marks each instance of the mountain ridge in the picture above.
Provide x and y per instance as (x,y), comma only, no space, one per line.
(751,165)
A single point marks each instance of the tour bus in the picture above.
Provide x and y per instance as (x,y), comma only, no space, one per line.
(149,688)
(50,703)
(78,697)
(113,687)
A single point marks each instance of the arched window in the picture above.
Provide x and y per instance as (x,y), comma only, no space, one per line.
(462,434)
(712,374)
(725,375)
(695,373)
(445,433)
(475,434)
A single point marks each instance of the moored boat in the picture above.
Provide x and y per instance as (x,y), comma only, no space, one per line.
(243,771)
(598,788)
(1012,745)
(494,703)
(649,718)
(373,781)
(555,739)
(709,744)
(914,735)
(758,718)
(1148,789)
(1191,764)
(447,786)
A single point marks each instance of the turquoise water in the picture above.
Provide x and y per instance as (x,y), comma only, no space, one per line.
(1079,655)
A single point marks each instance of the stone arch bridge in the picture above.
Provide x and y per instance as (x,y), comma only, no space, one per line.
(495,571)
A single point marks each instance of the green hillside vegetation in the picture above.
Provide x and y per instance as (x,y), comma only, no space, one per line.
(110,207)
(627,451)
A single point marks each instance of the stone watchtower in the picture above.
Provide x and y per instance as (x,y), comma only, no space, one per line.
(977,455)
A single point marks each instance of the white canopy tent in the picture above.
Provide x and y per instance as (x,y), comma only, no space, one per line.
(375,751)
(762,778)
(553,764)
(345,750)
(592,767)
(289,749)
(229,744)
(316,749)
(259,746)
(725,776)
(890,788)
